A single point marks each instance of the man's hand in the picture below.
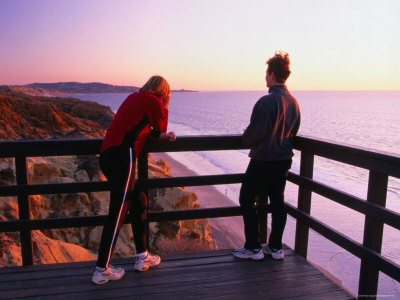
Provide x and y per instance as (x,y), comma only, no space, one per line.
(169,136)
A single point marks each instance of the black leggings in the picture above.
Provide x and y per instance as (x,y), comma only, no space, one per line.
(118,164)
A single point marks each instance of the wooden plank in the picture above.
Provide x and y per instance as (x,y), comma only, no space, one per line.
(116,261)
(324,295)
(32,148)
(76,268)
(55,188)
(304,204)
(200,290)
(24,210)
(165,283)
(176,265)
(197,143)
(54,266)
(185,258)
(266,292)
(153,277)
(52,223)
(146,281)
(193,214)
(199,276)
(191,180)
(387,163)
(373,235)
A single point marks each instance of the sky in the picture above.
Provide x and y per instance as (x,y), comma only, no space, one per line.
(201,45)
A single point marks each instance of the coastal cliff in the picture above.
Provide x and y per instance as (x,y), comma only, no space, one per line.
(83,88)
(36,117)
(73,88)
(30,118)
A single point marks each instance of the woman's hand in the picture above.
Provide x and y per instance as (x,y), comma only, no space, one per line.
(169,136)
(166,101)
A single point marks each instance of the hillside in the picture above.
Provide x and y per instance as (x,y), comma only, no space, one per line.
(83,88)
(35,117)
(87,88)
(31,91)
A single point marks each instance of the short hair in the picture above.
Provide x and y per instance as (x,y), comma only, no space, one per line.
(156,86)
(279,65)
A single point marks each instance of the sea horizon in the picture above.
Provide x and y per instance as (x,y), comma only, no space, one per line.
(190,90)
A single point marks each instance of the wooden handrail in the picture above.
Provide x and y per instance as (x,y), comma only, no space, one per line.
(380,166)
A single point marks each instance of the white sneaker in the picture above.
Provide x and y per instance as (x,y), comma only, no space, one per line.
(145,260)
(104,276)
(275,253)
(244,253)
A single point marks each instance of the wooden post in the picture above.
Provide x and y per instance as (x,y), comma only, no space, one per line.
(304,204)
(143,169)
(24,211)
(373,234)
(262,201)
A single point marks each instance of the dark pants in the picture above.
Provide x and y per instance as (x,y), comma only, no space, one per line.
(268,177)
(118,164)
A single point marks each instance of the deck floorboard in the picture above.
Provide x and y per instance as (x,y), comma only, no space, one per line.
(203,275)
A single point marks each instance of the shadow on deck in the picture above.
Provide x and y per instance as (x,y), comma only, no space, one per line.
(203,275)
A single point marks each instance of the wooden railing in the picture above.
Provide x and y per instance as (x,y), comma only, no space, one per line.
(380,167)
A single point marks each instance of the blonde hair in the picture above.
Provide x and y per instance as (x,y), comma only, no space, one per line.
(157,86)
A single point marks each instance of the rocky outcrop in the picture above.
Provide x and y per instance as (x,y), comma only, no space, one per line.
(83,88)
(177,236)
(31,91)
(76,244)
(27,117)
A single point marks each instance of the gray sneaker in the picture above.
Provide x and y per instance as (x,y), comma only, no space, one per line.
(244,253)
(111,273)
(149,261)
(275,253)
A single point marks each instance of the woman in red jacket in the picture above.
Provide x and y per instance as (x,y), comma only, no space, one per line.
(141,115)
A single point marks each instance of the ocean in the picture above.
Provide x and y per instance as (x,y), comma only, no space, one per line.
(362,119)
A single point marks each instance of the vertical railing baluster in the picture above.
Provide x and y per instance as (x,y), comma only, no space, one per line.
(24,211)
(304,204)
(373,234)
(143,169)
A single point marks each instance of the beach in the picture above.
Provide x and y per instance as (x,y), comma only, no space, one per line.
(227,232)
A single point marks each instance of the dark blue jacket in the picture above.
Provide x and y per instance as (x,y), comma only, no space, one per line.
(274,123)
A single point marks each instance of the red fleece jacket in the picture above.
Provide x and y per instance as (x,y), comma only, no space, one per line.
(140,115)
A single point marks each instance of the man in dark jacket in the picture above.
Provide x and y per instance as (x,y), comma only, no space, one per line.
(274,123)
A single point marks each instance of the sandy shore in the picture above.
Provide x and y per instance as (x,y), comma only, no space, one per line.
(227,232)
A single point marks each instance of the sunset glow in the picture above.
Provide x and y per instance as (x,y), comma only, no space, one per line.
(202,45)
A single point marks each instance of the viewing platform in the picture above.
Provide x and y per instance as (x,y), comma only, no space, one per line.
(205,275)
(202,275)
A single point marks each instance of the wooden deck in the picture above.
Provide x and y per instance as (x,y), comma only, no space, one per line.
(205,275)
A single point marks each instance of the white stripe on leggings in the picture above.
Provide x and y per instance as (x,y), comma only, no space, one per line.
(122,204)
